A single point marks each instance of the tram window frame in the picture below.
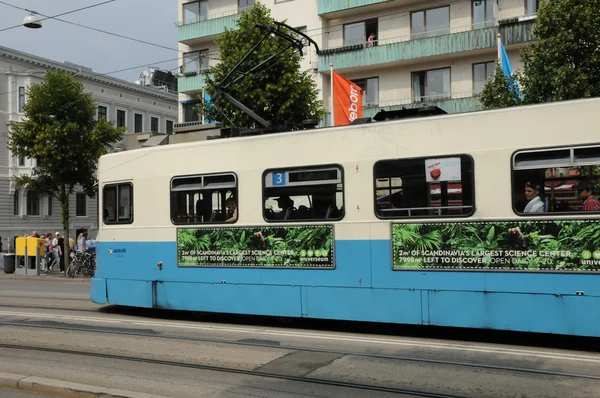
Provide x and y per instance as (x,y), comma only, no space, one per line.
(466,178)
(211,188)
(568,159)
(118,219)
(286,170)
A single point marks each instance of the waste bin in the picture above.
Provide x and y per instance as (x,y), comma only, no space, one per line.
(9,263)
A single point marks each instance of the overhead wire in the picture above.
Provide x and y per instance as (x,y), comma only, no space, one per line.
(54,16)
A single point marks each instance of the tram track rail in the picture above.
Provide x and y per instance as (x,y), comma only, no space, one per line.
(221,369)
(255,343)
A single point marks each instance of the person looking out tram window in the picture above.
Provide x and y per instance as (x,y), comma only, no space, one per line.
(535,203)
(231,206)
(585,191)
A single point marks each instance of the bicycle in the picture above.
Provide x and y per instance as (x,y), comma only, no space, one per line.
(82,263)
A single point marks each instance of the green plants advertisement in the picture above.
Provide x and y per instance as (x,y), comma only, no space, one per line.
(562,245)
(306,246)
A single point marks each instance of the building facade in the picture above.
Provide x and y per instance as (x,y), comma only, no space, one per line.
(139,108)
(421,52)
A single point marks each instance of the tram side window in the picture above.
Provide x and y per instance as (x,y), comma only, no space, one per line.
(308,193)
(556,181)
(199,199)
(424,187)
(117,203)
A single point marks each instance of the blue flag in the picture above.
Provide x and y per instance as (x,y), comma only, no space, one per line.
(207,102)
(504,61)
(506,67)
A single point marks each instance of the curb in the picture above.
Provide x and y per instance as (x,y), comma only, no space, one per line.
(64,388)
(55,278)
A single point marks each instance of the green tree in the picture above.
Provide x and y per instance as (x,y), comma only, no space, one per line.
(60,131)
(500,91)
(565,62)
(281,93)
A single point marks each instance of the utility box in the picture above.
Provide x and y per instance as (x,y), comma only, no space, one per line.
(21,244)
(33,244)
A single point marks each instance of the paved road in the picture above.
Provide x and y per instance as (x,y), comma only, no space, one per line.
(13,393)
(48,310)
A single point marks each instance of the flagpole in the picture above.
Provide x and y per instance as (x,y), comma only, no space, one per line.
(499,47)
(331,99)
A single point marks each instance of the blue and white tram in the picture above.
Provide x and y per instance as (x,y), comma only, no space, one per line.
(478,220)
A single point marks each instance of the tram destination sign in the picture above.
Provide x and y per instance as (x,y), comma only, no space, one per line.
(298,247)
(561,245)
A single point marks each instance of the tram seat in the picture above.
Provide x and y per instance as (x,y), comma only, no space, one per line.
(217,216)
(202,210)
(302,213)
(288,213)
(331,212)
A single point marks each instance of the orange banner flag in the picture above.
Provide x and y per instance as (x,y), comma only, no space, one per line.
(347,100)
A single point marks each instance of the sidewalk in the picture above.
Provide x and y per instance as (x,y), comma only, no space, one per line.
(64,388)
(50,276)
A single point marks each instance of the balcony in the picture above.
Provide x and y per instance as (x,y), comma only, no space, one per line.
(453,103)
(412,47)
(207,26)
(331,6)
(190,82)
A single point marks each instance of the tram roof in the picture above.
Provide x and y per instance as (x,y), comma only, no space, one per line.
(409,117)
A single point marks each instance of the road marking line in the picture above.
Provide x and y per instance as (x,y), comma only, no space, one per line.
(449,346)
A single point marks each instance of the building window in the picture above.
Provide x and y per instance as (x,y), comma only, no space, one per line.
(195,12)
(557,180)
(169,127)
(16,205)
(357,33)
(154,124)
(204,199)
(190,114)
(22,161)
(80,205)
(431,85)
(308,193)
(531,6)
(49,205)
(102,110)
(117,202)
(121,118)
(21,99)
(424,187)
(482,72)
(245,3)
(139,123)
(33,203)
(195,62)
(370,88)
(484,13)
(428,23)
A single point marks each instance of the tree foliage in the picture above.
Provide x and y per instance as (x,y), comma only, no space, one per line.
(282,93)
(60,131)
(500,91)
(565,63)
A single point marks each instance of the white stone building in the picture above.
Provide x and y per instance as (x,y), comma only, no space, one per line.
(141,109)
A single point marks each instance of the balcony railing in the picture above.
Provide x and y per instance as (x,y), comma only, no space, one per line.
(191,81)
(207,25)
(452,103)
(427,44)
(329,6)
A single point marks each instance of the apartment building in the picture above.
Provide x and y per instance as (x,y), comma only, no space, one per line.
(423,51)
(139,108)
